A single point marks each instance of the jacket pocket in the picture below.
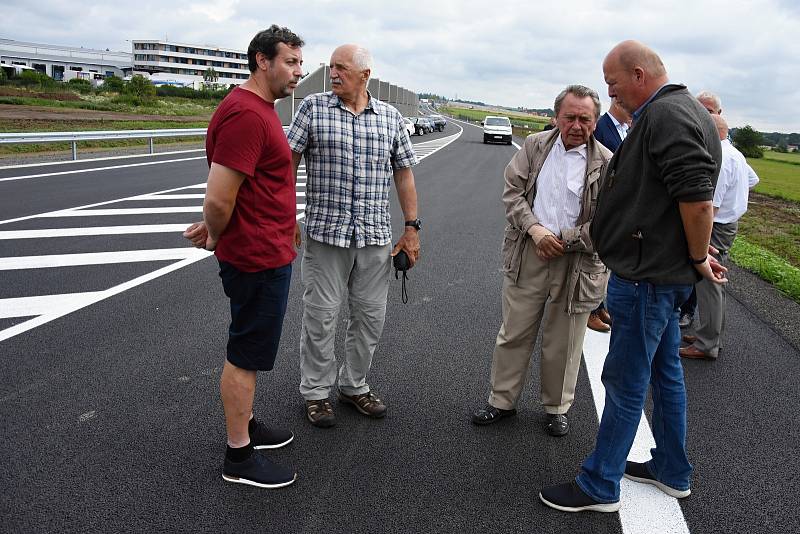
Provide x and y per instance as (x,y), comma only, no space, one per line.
(592,279)
(510,251)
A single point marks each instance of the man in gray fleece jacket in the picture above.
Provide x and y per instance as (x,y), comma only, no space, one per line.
(652,229)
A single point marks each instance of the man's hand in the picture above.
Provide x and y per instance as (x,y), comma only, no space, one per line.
(410,243)
(712,270)
(549,247)
(298,236)
(197,234)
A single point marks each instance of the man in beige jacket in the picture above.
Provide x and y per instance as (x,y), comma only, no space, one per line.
(552,273)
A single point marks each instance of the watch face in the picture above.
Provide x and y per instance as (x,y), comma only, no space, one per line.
(416,223)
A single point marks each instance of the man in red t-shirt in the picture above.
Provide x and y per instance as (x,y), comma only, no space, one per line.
(249,222)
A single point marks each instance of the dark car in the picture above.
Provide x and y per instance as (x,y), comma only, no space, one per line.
(421,126)
(429,124)
(439,122)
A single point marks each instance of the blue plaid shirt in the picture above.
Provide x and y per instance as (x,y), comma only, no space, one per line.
(350,161)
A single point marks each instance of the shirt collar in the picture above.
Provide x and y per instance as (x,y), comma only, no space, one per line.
(336,101)
(581,149)
(638,112)
(617,123)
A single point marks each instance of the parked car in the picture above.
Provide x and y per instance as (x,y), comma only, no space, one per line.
(420,125)
(409,126)
(439,122)
(429,124)
(496,129)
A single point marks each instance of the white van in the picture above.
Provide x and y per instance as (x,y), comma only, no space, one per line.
(496,129)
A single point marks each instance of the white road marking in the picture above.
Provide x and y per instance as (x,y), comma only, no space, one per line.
(96,169)
(71,303)
(188,196)
(98,258)
(645,509)
(91,160)
(92,230)
(122,211)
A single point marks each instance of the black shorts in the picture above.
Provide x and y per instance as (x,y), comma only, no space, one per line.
(258,304)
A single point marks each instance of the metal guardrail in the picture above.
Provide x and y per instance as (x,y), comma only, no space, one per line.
(97,135)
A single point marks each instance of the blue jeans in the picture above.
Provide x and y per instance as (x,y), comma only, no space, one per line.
(643,351)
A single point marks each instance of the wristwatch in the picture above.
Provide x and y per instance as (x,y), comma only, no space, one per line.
(416,224)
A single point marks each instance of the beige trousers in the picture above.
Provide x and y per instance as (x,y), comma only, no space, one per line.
(538,298)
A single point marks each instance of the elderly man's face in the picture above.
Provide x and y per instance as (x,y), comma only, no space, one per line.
(346,79)
(576,120)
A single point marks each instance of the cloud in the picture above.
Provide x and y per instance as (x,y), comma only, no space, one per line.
(514,53)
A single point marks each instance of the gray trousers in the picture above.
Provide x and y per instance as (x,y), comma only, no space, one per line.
(711,298)
(329,274)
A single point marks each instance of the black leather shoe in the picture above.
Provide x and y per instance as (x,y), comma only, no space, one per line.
(490,414)
(557,425)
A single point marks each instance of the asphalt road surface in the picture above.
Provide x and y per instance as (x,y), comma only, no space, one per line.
(112,340)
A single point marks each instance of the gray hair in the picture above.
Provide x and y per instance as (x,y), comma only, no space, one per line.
(581,91)
(362,58)
(708,95)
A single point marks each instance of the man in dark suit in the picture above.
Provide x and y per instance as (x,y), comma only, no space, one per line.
(611,130)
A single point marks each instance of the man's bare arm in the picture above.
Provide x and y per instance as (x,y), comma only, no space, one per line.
(698,218)
(221,190)
(407,196)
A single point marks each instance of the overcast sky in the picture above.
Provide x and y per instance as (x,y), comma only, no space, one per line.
(518,53)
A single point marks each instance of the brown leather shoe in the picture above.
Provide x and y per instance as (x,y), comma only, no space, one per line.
(596,324)
(693,353)
(366,403)
(689,339)
(604,316)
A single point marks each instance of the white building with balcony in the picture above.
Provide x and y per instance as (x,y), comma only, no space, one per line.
(167,62)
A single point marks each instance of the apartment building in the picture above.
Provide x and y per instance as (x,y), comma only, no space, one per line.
(185,64)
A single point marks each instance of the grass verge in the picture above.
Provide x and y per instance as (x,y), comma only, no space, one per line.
(768,266)
(778,178)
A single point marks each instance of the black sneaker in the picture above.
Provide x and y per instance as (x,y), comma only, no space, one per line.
(639,472)
(568,497)
(258,471)
(263,437)
(490,414)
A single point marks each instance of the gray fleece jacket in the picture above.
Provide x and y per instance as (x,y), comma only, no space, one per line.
(672,154)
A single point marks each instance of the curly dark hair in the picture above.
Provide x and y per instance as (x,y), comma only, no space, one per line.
(266,42)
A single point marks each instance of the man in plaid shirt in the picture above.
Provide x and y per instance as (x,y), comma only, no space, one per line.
(353,145)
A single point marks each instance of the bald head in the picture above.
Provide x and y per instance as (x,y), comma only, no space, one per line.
(633,73)
(722,126)
(632,54)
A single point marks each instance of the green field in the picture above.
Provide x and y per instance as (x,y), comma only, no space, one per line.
(788,157)
(778,178)
(526,122)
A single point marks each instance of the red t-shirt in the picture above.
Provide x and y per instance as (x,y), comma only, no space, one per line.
(245,134)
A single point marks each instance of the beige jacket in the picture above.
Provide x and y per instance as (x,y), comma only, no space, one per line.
(588,275)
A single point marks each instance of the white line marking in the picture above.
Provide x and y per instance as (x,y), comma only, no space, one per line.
(92,230)
(95,169)
(123,211)
(98,258)
(43,304)
(89,160)
(188,196)
(645,509)
(91,298)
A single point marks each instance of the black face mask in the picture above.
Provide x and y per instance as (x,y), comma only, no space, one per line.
(402,263)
